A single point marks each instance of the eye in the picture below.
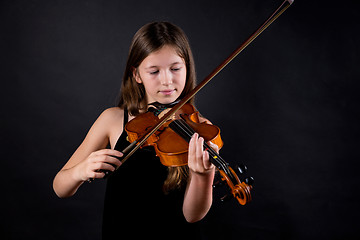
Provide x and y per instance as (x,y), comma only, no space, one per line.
(175,69)
(154,72)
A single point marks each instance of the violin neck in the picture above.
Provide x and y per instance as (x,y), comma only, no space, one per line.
(186,132)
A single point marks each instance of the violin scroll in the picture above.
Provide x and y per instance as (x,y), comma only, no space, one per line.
(238,190)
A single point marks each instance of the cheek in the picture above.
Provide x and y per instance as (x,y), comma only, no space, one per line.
(150,85)
(181,76)
(183,79)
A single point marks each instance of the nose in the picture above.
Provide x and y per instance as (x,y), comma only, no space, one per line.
(166,78)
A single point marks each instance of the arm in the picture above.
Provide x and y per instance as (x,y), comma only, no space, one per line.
(89,158)
(198,194)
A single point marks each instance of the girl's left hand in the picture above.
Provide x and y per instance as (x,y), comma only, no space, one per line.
(198,159)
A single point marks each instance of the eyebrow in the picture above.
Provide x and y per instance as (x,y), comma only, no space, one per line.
(174,63)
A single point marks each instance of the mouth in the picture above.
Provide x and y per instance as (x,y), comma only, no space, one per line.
(167,91)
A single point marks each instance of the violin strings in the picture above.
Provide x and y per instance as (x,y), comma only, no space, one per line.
(184,130)
(181,123)
(188,131)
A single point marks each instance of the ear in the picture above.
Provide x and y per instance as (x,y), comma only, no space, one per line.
(136,75)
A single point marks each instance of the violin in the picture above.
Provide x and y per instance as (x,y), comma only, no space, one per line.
(171,140)
(171,143)
(170,132)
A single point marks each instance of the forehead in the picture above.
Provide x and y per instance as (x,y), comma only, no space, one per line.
(165,56)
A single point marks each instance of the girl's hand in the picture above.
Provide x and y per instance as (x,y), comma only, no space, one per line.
(96,163)
(198,194)
(198,159)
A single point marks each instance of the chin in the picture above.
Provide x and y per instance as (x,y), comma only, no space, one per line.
(168,100)
(165,101)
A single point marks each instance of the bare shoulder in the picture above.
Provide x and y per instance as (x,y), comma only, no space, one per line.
(112,114)
(108,120)
(112,119)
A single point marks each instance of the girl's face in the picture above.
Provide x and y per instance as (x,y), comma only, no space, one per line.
(163,74)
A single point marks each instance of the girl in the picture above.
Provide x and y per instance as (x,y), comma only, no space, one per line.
(143,197)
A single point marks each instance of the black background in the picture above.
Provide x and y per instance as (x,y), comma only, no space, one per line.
(287,108)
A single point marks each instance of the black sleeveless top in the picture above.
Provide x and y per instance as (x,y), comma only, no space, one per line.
(135,206)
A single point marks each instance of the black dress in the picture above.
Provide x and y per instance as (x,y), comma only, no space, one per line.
(135,205)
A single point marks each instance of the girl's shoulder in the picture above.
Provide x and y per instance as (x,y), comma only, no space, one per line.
(112,120)
(114,113)
(109,117)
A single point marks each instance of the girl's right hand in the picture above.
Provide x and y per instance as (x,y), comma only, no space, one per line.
(95,165)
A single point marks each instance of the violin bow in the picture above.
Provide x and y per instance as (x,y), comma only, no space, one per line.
(132,148)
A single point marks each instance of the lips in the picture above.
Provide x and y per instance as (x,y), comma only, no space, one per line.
(167,91)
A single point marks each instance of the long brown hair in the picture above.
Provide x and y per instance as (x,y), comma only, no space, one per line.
(150,38)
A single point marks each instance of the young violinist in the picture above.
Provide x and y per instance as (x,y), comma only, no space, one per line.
(144,198)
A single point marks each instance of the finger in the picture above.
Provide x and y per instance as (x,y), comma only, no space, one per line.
(199,148)
(113,161)
(199,154)
(192,151)
(192,145)
(110,152)
(206,162)
(214,146)
(92,174)
(102,156)
(104,167)
(98,175)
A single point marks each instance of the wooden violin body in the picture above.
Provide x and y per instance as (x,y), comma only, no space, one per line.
(171,143)
(171,148)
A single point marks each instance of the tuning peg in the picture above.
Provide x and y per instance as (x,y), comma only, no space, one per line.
(249,181)
(226,197)
(241,169)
